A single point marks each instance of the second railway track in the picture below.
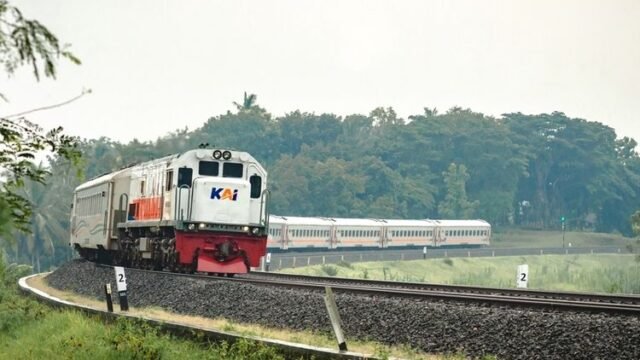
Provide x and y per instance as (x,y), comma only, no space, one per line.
(559,301)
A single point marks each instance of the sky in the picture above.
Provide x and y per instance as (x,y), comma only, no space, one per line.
(157,66)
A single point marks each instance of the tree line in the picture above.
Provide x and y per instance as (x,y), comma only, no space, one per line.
(515,170)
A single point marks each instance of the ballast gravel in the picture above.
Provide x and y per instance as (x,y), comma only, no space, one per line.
(432,326)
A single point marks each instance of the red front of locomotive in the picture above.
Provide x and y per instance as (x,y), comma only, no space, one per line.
(219,251)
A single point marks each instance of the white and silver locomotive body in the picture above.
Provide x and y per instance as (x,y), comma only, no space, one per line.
(202,210)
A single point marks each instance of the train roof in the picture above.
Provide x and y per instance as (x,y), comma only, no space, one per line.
(296,220)
(462,223)
(409,223)
(197,153)
(356,222)
(317,221)
(101,179)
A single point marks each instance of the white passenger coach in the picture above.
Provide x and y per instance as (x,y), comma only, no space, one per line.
(292,232)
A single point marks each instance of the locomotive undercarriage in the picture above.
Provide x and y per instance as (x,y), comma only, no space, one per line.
(155,249)
(150,248)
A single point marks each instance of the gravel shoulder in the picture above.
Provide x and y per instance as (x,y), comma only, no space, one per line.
(430,326)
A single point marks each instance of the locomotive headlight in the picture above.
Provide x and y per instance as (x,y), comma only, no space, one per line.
(202,226)
(226,155)
(191,226)
(217,154)
(245,228)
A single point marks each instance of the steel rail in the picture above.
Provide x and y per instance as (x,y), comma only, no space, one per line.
(591,297)
(374,290)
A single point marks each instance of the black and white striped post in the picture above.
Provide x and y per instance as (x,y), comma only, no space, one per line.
(107,294)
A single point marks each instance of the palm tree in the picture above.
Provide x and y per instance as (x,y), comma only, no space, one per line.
(49,217)
(248,104)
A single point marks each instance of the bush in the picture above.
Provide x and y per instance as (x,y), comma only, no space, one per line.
(329,270)
(345,264)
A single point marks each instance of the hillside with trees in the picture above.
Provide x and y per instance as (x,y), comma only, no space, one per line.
(522,170)
(517,170)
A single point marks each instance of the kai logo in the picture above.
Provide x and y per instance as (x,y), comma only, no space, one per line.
(224,194)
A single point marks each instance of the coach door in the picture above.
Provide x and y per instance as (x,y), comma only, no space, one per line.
(119,204)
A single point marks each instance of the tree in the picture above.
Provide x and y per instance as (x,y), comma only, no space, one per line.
(385,117)
(635,225)
(25,42)
(249,105)
(455,204)
(48,222)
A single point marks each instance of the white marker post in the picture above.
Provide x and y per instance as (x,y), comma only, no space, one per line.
(268,261)
(523,276)
(424,252)
(121,282)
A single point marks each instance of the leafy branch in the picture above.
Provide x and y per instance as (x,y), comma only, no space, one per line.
(26,42)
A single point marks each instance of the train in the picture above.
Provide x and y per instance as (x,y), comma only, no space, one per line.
(203,210)
(291,233)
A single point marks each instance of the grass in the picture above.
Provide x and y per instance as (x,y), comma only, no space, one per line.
(70,334)
(582,273)
(31,330)
(517,238)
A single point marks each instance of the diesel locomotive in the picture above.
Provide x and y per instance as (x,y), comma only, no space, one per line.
(202,210)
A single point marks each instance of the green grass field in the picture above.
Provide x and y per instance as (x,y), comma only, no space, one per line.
(582,273)
(71,335)
(516,238)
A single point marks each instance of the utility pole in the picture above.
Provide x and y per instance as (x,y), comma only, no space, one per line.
(563,227)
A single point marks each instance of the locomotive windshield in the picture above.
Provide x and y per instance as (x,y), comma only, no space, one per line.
(209,168)
(232,170)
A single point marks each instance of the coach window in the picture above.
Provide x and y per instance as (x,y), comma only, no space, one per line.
(208,168)
(184,176)
(256,186)
(232,170)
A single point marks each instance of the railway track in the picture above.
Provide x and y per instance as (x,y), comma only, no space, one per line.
(612,304)
(557,295)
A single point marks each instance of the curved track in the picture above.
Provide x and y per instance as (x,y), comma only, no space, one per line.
(556,295)
(614,304)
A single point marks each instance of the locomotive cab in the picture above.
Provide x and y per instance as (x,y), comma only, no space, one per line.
(220,211)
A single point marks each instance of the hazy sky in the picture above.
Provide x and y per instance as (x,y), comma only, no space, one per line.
(155,66)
